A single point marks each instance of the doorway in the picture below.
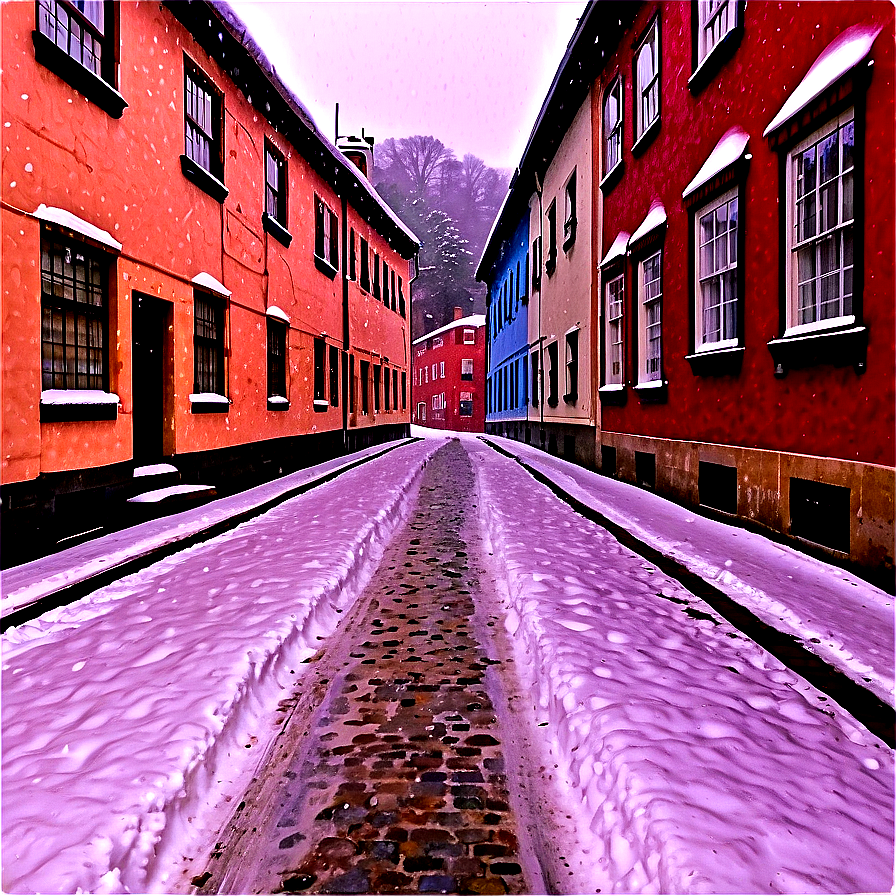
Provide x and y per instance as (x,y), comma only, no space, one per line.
(421,412)
(151,374)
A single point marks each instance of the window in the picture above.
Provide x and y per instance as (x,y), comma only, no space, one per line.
(534,381)
(208,344)
(435,368)
(469,337)
(553,374)
(612,126)
(75,316)
(276,359)
(466,369)
(274,184)
(437,342)
(821,220)
(404,390)
(426,374)
(352,257)
(377,375)
(385,283)
(352,386)
(365,265)
(647,81)
(320,381)
(715,18)
(613,331)
(572,366)
(376,275)
(204,134)
(569,214)
(334,376)
(441,370)
(394,297)
(326,238)
(716,275)
(551,261)
(386,405)
(365,387)
(401,306)
(395,389)
(650,351)
(536,263)
(466,404)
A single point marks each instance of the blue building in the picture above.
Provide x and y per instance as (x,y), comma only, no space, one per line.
(507,329)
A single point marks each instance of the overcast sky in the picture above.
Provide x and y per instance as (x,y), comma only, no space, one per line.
(472,74)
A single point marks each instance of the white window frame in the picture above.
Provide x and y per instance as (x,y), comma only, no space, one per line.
(715,19)
(612,143)
(437,342)
(569,211)
(722,275)
(441,370)
(614,329)
(466,367)
(435,371)
(841,231)
(469,337)
(649,92)
(650,331)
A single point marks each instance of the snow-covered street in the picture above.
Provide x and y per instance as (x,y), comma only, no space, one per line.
(693,760)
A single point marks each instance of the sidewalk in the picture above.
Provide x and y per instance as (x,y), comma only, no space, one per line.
(841,618)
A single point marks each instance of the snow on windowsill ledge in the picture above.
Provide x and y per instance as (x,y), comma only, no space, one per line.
(208,398)
(69,221)
(277,399)
(57,397)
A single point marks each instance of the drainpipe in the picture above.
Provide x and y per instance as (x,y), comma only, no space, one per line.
(538,190)
(345,316)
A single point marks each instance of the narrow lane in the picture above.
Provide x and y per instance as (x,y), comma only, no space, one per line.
(399,785)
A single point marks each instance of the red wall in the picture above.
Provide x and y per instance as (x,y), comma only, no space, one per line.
(821,410)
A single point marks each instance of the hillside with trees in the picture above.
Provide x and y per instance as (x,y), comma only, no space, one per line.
(450,204)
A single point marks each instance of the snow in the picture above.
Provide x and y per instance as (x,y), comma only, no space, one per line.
(161,494)
(123,710)
(840,56)
(656,216)
(618,249)
(72,222)
(210,397)
(154,470)
(277,399)
(472,320)
(278,313)
(726,152)
(206,280)
(77,396)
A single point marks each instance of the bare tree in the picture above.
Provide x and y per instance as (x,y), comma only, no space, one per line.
(416,162)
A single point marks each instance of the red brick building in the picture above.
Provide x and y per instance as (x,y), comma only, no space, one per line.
(191,271)
(449,376)
(744,185)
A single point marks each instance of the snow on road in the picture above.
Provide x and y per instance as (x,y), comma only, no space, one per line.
(121,711)
(699,762)
(843,619)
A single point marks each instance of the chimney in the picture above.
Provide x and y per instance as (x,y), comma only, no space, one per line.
(458,312)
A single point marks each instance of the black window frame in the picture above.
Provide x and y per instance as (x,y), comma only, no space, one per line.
(550,262)
(277,331)
(209,345)
(333,374)
(274,218)
(365,265)
(645,133)
(553,374)
(569,212)
(319,360)
(572,367)
(704,70)
(326,238)
(376,275)
(208,177)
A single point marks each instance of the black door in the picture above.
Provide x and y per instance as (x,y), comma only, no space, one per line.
(150,327)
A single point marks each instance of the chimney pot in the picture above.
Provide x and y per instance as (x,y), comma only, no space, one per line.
(458,312)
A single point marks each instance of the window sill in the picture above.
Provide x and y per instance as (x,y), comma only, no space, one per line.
(276,229)
(72,405)
(278,403)
(89,85)
(209,403)
(652,392)
(205,180)
(613,394)
(641,144)
(612,177)
(325,267)
(321,405)
(717,362)
(841,348)
(715,59)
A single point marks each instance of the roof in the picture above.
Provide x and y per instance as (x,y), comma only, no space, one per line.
(473,320)
(273,99)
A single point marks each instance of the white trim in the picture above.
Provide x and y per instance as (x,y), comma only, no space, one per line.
(321,403)
(612,387)
(651,384)
(840,56)
(697,306)
(57,397)
(277,399)
(617,250)
(832,323)
(573,329)
(474,320)
(154,470)
(206,281)
(727,151)
(208,398)
(278,313)
(716,346)
(655,217)
(60,216)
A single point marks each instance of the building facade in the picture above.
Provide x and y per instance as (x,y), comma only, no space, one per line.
(192,272)
(449,375)
(746,266)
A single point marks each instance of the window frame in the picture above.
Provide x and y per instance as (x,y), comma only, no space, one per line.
(210,177)
(550,263)
(613,327)
(706,62)
(319,362)
(466,369)
(615,133)
(572,366)
(326,238)
(469,331)
(644,131)
(364,281)
(376,275)
(333,374)
(213,347)
(277,363)
(645,378)
(274,217)
(569,212)
(536,264)
(553,350)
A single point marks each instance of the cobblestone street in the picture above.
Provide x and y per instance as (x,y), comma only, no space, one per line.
(399,785)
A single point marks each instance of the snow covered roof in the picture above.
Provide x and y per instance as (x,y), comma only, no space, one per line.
(473,320)
(844,53)
(656,216)
(72,222)
(279,313)
(206,280)
(727,151)
(617,250)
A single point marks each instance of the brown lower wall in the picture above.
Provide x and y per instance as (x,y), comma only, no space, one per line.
(763,490)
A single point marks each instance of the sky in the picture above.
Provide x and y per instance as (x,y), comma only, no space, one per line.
(472,74)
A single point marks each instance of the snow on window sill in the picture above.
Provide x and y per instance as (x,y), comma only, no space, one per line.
(209,403)
(278,403)
(840,347)
(652,384)
(325,267)
(321,404)
(69,405)
(833,323)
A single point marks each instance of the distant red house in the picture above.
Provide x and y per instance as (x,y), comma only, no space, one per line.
(449,376)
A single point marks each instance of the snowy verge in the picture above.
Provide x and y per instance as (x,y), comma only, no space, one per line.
(123,711)
(699,763)
(25,584)
(844,620)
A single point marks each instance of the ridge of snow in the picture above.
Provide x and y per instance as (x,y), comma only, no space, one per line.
(727,151)
(279,313)
(154,470)
(71,221)
(655,217)
(210,397)
(77,396)
(204,279)
(472,320)
(160,494)
(618,249)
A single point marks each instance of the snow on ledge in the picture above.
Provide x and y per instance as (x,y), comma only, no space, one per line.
(77,396)
(844,53)
(656,216)
(209,397)
(160,494)
(278,313)
(206,280)
(727,151)
(154,470)
(618,249)
(277,399)
(66,219)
